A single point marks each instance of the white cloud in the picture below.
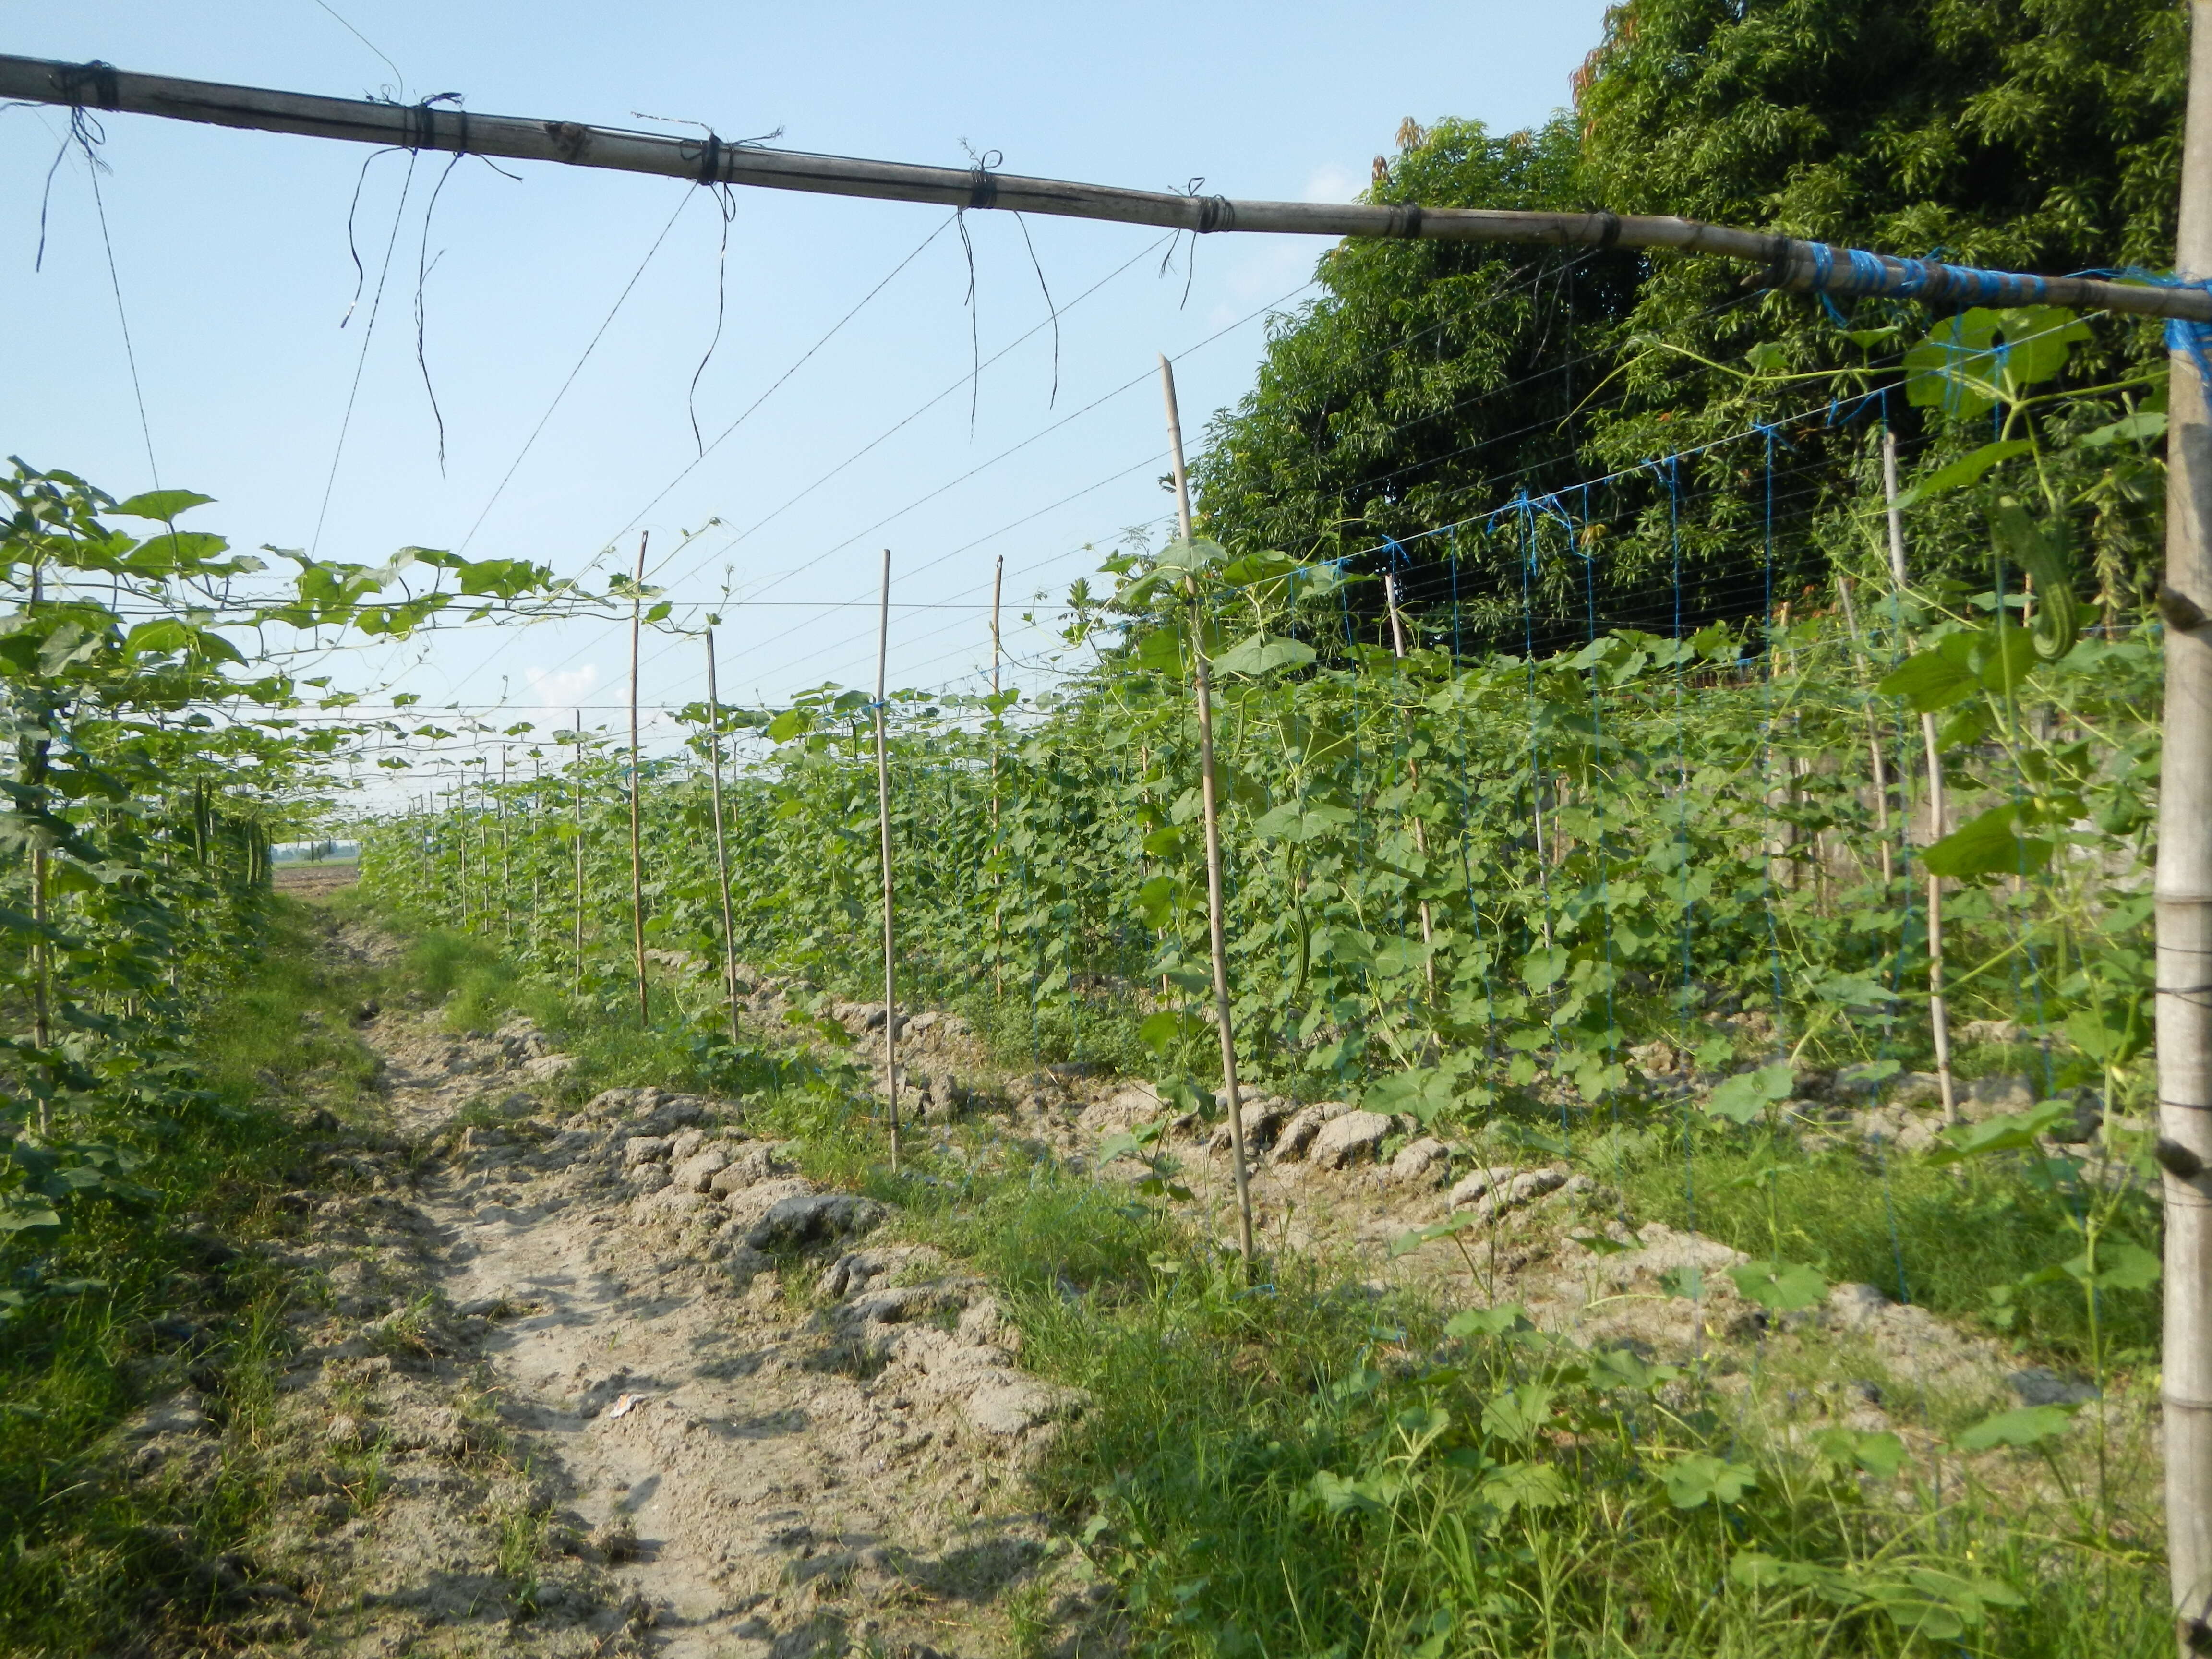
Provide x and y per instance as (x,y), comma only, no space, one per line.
(1333,183)
(555,694)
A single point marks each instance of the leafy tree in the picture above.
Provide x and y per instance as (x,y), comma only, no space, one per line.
(1432,383)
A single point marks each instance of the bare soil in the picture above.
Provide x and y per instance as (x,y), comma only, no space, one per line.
(549,1399)
(620,1380)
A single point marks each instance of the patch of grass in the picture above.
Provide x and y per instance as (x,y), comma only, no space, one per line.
(476,988)
(97,1561)
(1303,1465)
(1943,1236)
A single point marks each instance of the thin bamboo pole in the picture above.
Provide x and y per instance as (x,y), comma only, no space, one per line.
(576,977)
(506,858)
(1881,763)
(722,841)
(1938,1013)
(998,876)
(34,774)
(1414,766)
(636,859)
(2184,890)
(1805,267)
(457,802)
(884,832)
(536,864)
(1210,801)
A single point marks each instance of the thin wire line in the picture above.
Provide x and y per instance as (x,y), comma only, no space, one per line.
(605,323)
(801,362)
(115,281)
(888,433)
(360,359)
(1144,378)
(400,90)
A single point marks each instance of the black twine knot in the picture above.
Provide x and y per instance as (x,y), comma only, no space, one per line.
(983,184)
(73,80)
(422,121)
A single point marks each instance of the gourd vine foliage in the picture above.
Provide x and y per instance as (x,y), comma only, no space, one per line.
(1429,382)
(1643,839)
(151,763)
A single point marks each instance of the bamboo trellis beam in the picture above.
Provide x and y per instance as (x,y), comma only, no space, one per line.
(1809,267)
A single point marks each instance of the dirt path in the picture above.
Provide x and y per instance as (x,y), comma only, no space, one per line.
(617,1379)
(623,1381)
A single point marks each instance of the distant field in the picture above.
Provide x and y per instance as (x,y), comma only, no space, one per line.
(310,881)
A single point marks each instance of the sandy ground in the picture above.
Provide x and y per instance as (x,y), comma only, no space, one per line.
(565,1393)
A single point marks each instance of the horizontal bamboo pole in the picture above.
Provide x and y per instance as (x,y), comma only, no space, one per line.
(1789,263)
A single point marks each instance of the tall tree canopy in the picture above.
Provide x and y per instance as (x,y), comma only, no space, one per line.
(1431,382)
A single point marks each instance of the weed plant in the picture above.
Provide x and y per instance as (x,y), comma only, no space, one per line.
(166,1294)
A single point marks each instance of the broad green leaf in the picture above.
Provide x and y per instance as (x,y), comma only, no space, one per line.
(1953,368)
(1784,1287)
(1930,680)
(1880,1454)
(1542,968)
(1744,1097)
(162,504)
(1519,1415)
(1524,1486)
(2144,426)
(1117,1146)
(1988,845)
(1162,1032)
(2002,656)
(1344,1495)
(1420,1425)
(1697,1479)
(2028,1425)
(2006,1132)
(1964,470)
(1259,654)
(1853,990)
(788,724)
(2112,1033)
(1424,1093)
(1504,1320)
(2120,1266)
(22,1213)
(1344,946)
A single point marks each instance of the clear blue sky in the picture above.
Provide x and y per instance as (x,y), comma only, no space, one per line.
(232,253)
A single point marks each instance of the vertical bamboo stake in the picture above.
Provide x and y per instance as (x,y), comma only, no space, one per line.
(457,801)
(2184,900)
(41,979)
(636,862)
(884,831)
(534,842)
(1421,835)
(576,979)
(41,959)
(721,843)
(1939,1015)
(1874,742)
(1208,798)
(998,877)
(506,858)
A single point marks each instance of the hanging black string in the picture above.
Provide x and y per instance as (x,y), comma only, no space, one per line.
(1048,306)
(983,192)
